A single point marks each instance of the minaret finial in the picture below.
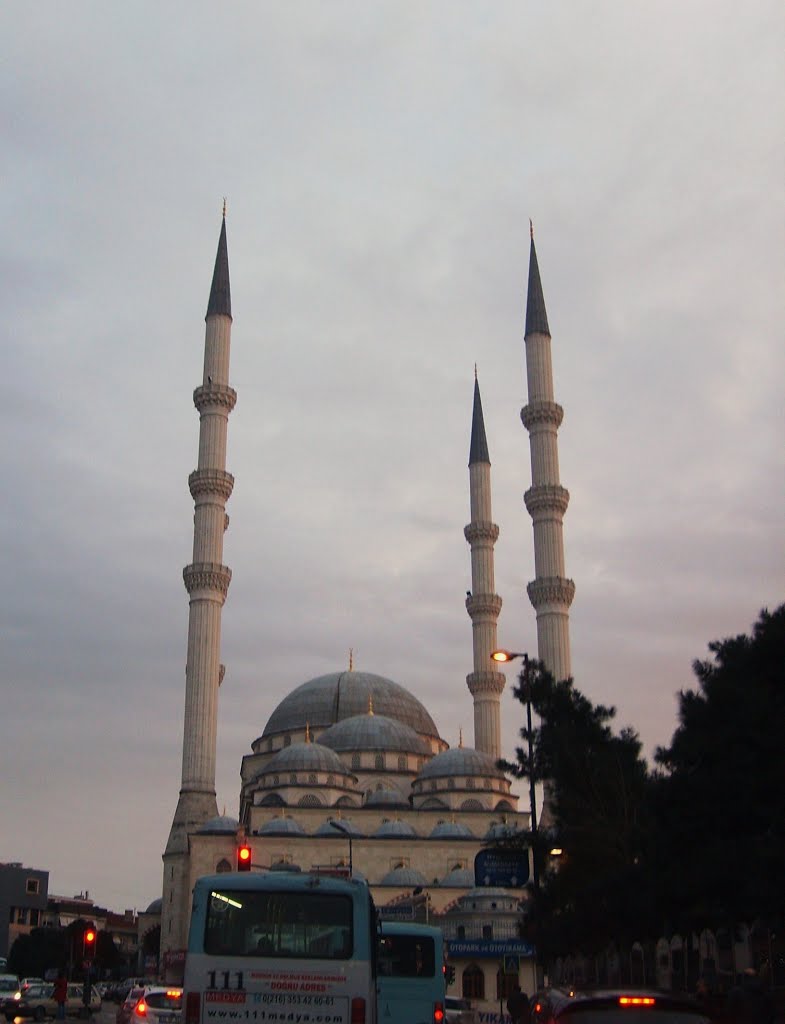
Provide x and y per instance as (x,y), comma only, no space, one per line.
(475,371)
(224,213)
(351,659)
(531,229)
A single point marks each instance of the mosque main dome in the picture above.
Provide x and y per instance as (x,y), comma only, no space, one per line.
(328,699)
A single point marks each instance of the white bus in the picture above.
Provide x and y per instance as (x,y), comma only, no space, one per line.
(281,948)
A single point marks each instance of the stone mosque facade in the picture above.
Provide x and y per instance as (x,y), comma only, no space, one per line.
(350,769)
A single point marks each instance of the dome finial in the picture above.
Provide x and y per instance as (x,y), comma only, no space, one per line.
(351,659)
(460,737)
(307,731)
(370,704)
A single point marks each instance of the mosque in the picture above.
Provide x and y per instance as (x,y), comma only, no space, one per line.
(350,774)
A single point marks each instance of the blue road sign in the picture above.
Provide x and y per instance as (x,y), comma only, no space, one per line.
(506,869)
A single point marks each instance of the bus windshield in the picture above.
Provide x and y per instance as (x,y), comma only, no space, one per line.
(278,924)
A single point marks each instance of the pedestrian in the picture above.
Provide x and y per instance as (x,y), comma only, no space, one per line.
(518,1006)
(60,993)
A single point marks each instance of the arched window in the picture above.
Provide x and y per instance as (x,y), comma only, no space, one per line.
(378,761)
(460,931)
(473,983)
(433,785)
(222,866)
(470,783)
(287,741)
(330,780)
(402,762)
(451,783)
(309,800)
(471,805)
(505,985)
(486,784)
(355,760)
(312,779)
(293,779)
(276,780)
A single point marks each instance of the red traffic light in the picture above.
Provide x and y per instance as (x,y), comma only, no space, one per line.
(244,857)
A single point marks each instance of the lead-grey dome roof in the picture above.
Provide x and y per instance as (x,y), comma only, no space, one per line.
(460,761)
(220,824)
(460,878)
(281,827)
(395,828)
(305,757)
(451,830)
(373,732)
(408,877)
(330,698)
(155,907)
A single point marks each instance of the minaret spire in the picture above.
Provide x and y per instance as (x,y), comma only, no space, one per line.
(550,593)
(482,604)
(207,582)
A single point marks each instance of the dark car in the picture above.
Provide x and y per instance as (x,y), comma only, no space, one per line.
(614,1006)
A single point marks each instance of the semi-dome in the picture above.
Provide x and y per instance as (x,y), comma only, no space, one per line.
(222,823)
(459,878)
(284,826)
(395,828)
(451,830)
(373,732)
(305,757)
(460,761)
(407,877)
(386,798)
(330,698)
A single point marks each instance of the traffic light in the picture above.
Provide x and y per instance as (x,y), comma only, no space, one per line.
(88,942)
(449,974)
(244,857)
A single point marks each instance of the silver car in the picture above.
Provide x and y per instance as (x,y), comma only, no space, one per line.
(459,1011)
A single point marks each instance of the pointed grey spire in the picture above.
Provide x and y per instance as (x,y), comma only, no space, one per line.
(220,303)
(536,317)
(478,448)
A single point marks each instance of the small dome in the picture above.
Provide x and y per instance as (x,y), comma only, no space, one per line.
(338,695)
(155,907)
(407,877)
(394,828)
(281,827)
(451,830)
(500,830)
(386,798)
(373,732)
(460,761)
(459,878)
(305,757)
(220,824)
(327,828)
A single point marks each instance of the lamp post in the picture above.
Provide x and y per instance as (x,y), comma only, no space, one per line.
(523,678)
(342,828)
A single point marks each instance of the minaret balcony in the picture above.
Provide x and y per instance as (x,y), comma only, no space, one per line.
(212,482)
(483,605)
(208,576)
(551,590)
(486,683)
(481,531)
(214,396)
(536,413)
(546,500)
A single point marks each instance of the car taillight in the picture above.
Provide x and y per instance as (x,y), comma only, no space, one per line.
(193,1008)
(358,1010)
(140,1010)
(637,1001)
(438,1013)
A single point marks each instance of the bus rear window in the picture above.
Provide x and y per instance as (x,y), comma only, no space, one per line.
(407,956)
(314,925)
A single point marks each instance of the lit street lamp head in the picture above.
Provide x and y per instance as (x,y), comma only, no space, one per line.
(502,655)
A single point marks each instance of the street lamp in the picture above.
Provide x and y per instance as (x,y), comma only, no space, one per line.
(342,828)
(523,678)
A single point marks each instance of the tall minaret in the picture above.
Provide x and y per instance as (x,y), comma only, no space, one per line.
(482,604)
(550,592)
(207,582)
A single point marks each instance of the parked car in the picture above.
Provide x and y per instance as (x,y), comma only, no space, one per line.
(459,1011)
(131,999)
(34,1001)
(27,982)
(159,1005)
(606,1006)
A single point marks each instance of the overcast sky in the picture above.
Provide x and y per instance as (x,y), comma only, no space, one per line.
(381,162)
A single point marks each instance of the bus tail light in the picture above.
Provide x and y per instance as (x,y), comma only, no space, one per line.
(438,1013)
(193,1008)
(358,1010)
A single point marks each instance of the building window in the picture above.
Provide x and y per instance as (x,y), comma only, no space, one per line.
(473,983)
(330,780)
(451,783)
(378,762)
(402,762)
(21,917)
(223,866)
(461,931)
(355,760)
(487,784)
(34,918)
(309,800)
(487,931)
(276,780)
(287,741)
(470,783)
(505,985)
(31,886)
(433,786)
(312,779)
(293,779)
